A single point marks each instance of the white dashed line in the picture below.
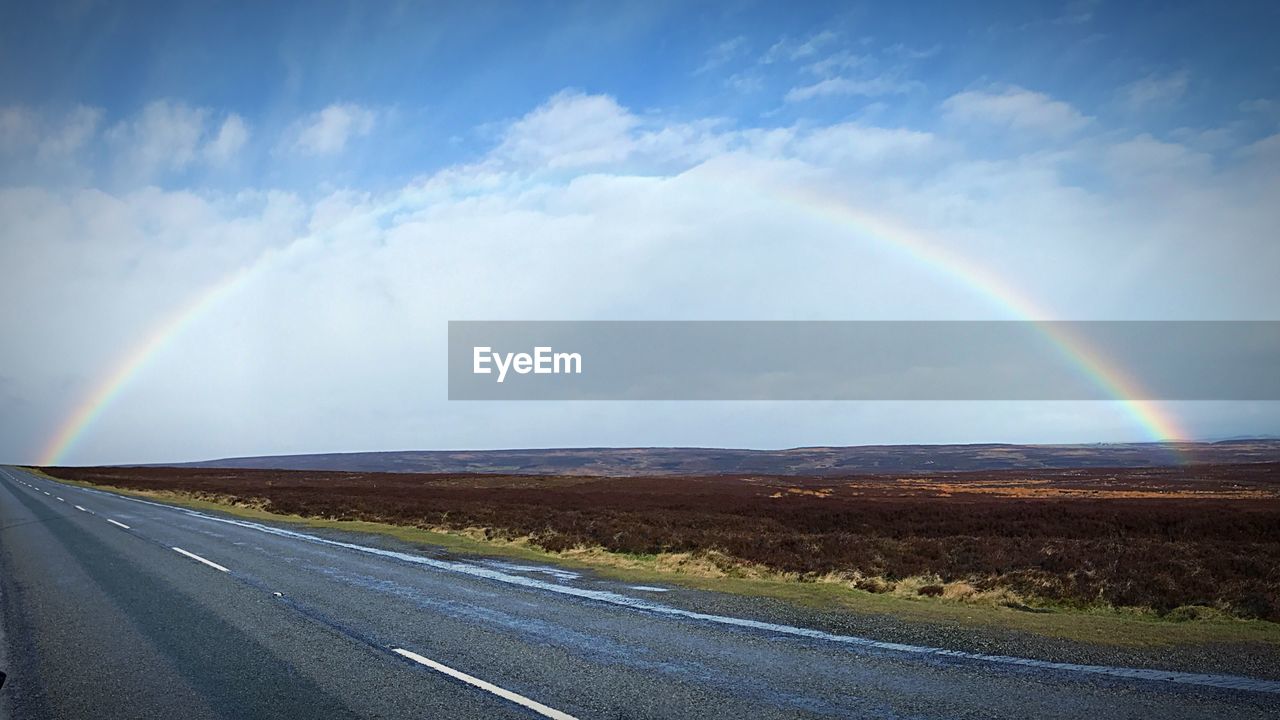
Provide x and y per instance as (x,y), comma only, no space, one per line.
(489,687)
(61,500)
(81,509)
(120,524)
(196,557)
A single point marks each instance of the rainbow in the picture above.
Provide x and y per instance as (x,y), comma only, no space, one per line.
(135,361)
(1156,425)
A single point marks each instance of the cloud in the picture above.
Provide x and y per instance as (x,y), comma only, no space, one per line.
(1155,91)
(722,53)
(163,140)
(57,140)
(789,49)
(571,129)
(911,53)
(852,142)
(164,137)
(1077,12)
(744,83)
(1146,157)
(836,63)
(812,45)
(645,217)
(17,128)
(1015,109)
(327,132)
(836,86)
(230,139)
(169,137)
(1268,149)
(1212,140)
(1261,106)
(72,135)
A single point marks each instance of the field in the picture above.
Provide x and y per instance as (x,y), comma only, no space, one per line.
(1178,541)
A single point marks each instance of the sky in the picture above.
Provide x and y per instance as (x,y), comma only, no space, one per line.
(239,231)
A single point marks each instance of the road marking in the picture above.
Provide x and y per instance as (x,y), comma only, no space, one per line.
(61,500)
(210,563)
(46,492)
(516,698)
(81,509)
(113,522)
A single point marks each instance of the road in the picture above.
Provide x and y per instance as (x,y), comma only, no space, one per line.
(116,607)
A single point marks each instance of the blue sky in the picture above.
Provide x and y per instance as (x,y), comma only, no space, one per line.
(449,71)
(377,169)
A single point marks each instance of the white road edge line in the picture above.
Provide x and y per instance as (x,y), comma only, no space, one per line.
(210,563)
(113,522)
(516,698)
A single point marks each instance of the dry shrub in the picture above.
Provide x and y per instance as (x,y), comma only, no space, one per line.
(875,585)
(959,590)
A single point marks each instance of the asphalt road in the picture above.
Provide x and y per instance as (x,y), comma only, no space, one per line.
(115,607)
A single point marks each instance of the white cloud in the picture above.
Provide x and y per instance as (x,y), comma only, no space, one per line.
(571,129)
(864,144)
(912,53)
(789,49)
(164,137)
(837,63)
(162,140)
(327,132)
(230,139)
(837,86)
(1016,109)
(744,82)
(1261,106)
(1144,156)
(72,135)
(49,141)
(645,218)
(1268,148)
(17,129)
(722,53)
(1212,140)
(812,45)
(1155,91)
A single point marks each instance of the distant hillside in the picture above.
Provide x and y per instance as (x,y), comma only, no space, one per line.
(798,461)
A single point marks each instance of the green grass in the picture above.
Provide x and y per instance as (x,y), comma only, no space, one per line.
(1104,625)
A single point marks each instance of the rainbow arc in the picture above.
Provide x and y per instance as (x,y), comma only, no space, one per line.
(1157,426)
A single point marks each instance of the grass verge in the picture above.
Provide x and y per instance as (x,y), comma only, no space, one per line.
(954,607)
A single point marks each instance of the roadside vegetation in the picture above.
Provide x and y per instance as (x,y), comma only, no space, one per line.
(1173,545)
